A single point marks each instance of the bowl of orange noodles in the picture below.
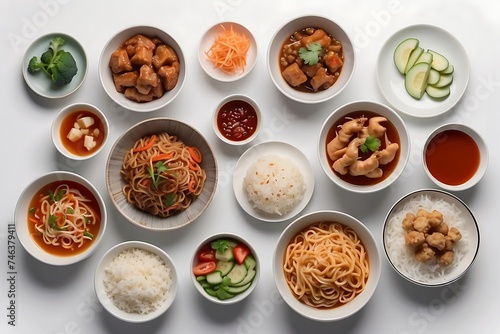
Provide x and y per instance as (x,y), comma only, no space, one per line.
(161,174)
(326,265)
(227,51)
(60,218)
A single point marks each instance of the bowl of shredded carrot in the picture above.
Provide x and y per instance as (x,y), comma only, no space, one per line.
(227,51)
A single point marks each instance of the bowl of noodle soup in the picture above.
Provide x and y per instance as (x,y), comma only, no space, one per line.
(161,174)
(326,265)
(60,218)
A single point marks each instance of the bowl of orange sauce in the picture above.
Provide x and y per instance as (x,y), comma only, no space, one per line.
(80,131)
(455,157)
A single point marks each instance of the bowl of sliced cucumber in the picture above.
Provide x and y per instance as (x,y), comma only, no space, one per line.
(225,268)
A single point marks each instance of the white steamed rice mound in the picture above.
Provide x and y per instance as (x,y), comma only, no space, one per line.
(274,184)
(403,257)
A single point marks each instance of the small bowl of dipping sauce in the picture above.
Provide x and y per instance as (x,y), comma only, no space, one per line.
(455,157)
(237,119)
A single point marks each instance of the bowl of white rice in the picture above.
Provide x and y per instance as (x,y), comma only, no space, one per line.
(136,281)
(406,258)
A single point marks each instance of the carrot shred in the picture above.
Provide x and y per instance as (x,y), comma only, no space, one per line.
(163,156)
(229,51)
(192,186)
(147,146)
(193,165)
(33,220)
(195,153)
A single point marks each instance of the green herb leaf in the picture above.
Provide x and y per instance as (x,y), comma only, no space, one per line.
(371,143)
(311,54)
(155,171)
(53,224)
(56,197)
(88,235)
(169,199)
(70,211)
(220,245)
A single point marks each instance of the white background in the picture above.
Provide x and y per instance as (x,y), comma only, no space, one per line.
(62,300)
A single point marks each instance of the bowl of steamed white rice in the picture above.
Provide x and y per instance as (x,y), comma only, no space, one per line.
(431,237)
(136,281)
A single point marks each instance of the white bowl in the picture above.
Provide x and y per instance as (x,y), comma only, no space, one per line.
(274,51)
(237,297)
(108,304)
(107,79)
(206,43)
(241,101)
(476,167)
(393,229)
(23,207)
(59,139)
(341,311)
(382,110)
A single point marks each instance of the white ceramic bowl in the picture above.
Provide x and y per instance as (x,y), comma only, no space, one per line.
(206,43)
(59,138)
(382,110)
(42,84)
(21,218)
(114,181)
(393,237)
(237,98)
(341,311)
(107,302)
(107,79)
(274,51)
(237,296)
(476,168)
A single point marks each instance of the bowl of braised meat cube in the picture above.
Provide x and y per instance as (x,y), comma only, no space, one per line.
(142,68)
(310,59)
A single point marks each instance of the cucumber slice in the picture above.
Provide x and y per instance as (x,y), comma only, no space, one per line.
(223,294)
(214,277)
(439,62)
(248,278)
(438,92)
(448,70)
(416,80)
(226,255)
(425,57)
(211,292)
(402,53)
(250,262)
(236,289)
(205,285)
(433,77)
(201,278)
(237,274)
(414,55)
(224,266)
(444,80)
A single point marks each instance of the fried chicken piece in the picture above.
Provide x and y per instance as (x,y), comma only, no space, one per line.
(294,75)
(164,55)
(120,62)
(436,240)
(421,224)
(142,56)
(133,94)
(424,253)
(321,79)
(124,80)
(169,75)
(414,239)
(446,258)
(435,218)
(408,221)
(441,228)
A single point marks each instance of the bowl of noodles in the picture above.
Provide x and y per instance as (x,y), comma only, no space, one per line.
(326,265)
(161,174)
(60,218)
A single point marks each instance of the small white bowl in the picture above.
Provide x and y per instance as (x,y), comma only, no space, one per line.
(393,237)
(461,159)
(206,43)
(275,48)
(21,218)
(108,304)
(60,140)
(382,110)
(341,311)
(107,78)
(237,297)
(39,82)
(239,101)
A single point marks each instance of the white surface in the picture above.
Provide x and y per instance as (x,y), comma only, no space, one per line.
(52,300)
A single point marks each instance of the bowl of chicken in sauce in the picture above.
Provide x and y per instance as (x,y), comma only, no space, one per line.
(310,59)
(142,68)
(363,146)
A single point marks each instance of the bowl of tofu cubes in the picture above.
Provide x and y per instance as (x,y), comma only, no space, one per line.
(310,59)
(142,68)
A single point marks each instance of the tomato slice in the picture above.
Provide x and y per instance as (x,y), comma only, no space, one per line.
(204,268)
(240,253)
(206,254)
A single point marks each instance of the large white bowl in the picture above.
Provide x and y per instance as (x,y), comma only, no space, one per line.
(274,51)
(342,311)
(107,78)
(382,110)
(21,218)
(107,303)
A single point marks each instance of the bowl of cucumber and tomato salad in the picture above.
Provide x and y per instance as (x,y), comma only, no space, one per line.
(225,268)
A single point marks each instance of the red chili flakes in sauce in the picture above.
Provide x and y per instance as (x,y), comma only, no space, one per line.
(237,120)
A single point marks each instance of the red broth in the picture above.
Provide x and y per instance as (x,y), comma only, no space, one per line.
(452,157)
(77,147)
(237,120)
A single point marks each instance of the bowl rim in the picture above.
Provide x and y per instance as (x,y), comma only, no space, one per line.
(483,151)
(105,76)
(368,105)
(442,193)
(239,297)
(21,224)
(99,289)
(306,97)
(369,242)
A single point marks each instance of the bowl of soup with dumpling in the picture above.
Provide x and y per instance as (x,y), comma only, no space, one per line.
(363,146)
